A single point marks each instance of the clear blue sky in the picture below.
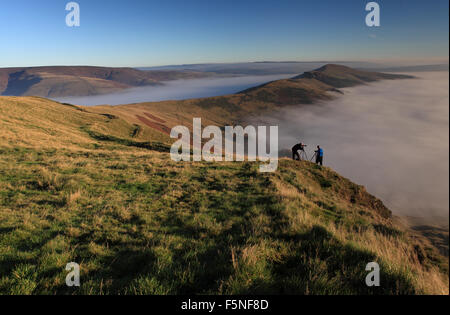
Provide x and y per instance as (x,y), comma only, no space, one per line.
(146,33)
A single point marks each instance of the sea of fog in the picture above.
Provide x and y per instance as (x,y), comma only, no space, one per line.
(176,90)
(390,136)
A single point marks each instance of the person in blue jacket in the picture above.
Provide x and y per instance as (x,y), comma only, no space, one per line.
(319,155)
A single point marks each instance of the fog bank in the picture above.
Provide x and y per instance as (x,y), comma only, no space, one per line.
(390,136)
(175,90)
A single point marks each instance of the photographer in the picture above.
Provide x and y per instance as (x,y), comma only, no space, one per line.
(298,147)
(319,155)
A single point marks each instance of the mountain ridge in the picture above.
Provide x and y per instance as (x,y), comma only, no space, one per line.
(331,77)
(60,81)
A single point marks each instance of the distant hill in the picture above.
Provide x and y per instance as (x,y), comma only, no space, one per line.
(341,76)
(260,68)
(60,81)
(315,85)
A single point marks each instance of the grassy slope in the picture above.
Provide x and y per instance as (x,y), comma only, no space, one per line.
(80,186)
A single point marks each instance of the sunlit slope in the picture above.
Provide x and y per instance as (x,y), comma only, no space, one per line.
(42,123)
(77,186)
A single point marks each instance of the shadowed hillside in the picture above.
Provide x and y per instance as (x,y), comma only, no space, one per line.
(95,189)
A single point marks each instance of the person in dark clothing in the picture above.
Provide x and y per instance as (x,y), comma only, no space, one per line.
(319,155)
(298,147)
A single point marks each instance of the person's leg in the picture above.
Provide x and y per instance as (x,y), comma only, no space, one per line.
(293,154)
(321,161)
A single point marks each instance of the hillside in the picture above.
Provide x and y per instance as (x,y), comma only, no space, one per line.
(80,80)
(93,188)
(312,86)
(305,89)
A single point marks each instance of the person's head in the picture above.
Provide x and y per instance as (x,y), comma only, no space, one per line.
(318,147)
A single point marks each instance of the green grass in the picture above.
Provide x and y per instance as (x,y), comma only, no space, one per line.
(162,228)
(150,145)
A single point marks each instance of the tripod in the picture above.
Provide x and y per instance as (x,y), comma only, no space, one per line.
(313,157)
(302,156)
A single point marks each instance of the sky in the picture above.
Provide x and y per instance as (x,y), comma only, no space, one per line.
(164,32)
